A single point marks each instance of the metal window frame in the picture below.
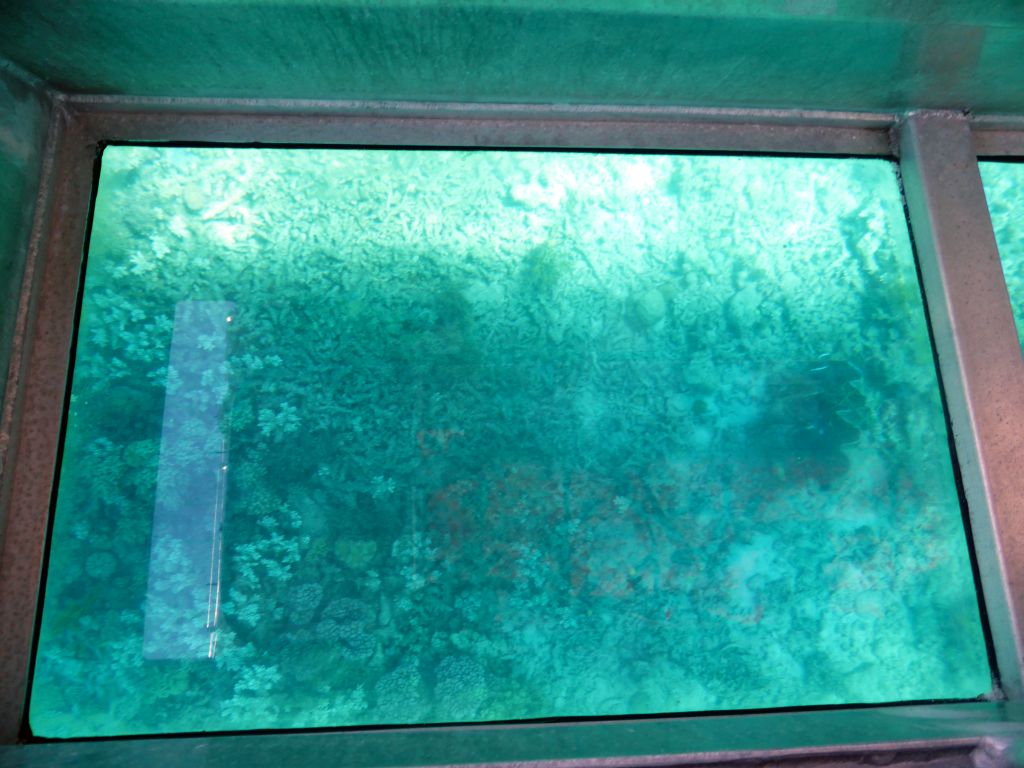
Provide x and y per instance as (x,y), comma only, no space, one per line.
(979,358)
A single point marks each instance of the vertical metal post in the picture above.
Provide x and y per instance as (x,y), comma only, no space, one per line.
(979,358)
(48,298)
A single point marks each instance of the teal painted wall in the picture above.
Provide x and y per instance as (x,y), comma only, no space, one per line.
(811,54)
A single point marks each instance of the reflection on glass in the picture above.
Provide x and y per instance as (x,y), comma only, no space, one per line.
(1004,189)
(510,435)
(183,597)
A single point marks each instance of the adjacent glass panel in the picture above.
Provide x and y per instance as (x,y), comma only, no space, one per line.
(1004,189)
(392,436)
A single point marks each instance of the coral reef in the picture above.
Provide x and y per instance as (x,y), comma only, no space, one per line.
(503,435)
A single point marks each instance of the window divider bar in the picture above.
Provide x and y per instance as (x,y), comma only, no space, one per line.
(979,359)
(626,130)
(999,143)
(998,135)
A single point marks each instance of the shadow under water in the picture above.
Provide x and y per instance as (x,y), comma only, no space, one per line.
(810,415)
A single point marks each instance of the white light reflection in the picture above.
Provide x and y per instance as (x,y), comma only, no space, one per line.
(183,595)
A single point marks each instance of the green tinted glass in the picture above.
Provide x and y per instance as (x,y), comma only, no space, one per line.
(393,436)
(1004,189)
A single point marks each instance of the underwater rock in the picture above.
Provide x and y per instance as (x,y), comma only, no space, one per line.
(355,553)
(460,689)
(646,309)
(485,297)
(544,267)
(195,199)
(305,599)
(349,639)
(343,625)
(538,193)
(399,694)
(100,565)
(346,609)
(744,306)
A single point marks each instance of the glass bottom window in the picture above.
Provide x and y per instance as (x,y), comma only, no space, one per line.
(387,436)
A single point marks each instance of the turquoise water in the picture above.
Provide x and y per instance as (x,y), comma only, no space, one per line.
(391,436)
(1004,189)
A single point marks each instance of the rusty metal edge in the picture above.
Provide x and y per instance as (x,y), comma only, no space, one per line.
(34,399)
(497,126)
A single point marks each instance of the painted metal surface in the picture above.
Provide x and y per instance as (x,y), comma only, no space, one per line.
(26,156)
(979,358)
(833,54)
(492,125)
(998,135)
(24,118)
(963,735)
(37,386)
